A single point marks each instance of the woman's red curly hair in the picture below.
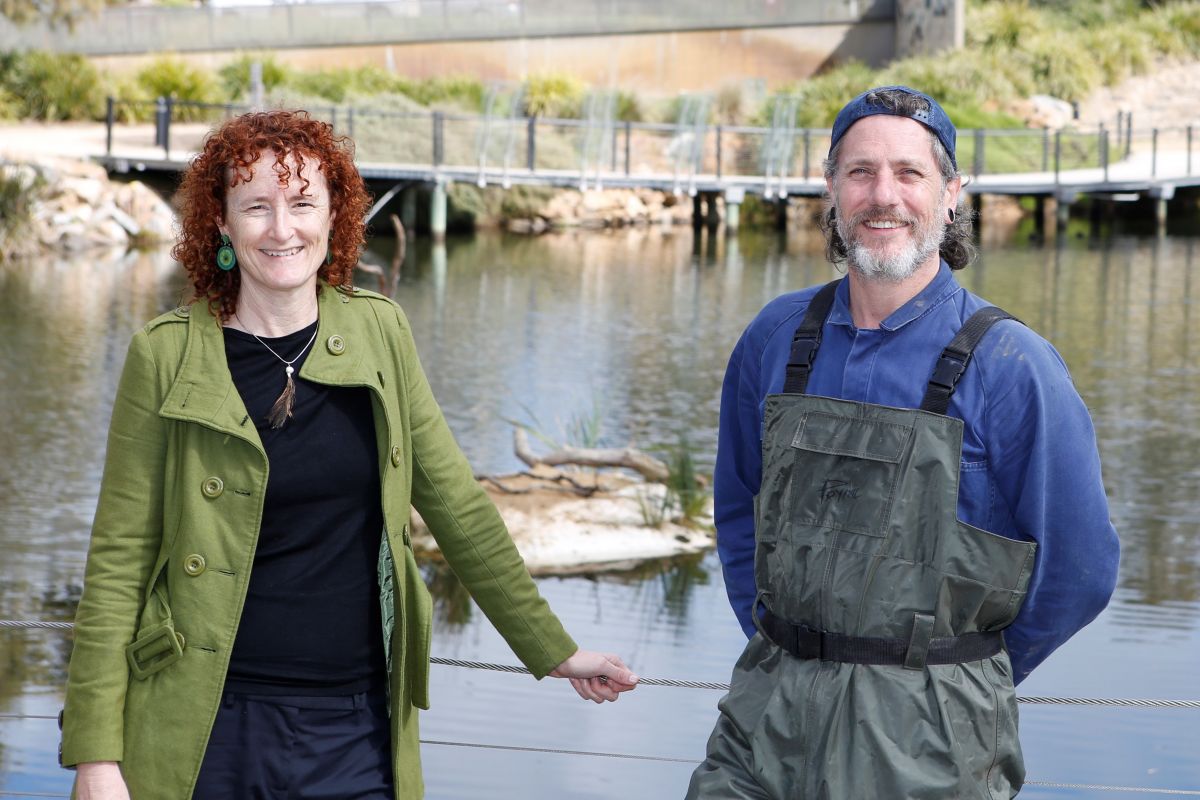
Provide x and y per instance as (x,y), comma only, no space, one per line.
(232,150)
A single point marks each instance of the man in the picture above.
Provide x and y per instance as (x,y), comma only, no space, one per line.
(909,507)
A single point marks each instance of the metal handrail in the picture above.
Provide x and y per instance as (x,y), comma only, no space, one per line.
(984,151)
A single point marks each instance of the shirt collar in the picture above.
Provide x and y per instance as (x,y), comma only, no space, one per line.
(935,292)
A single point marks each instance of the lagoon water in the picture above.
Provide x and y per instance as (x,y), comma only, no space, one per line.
(632,329)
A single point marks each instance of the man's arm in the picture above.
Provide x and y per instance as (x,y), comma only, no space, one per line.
(1042,449)
(736,479)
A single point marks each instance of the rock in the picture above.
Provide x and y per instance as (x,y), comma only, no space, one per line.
(1044,111)
(86,190)
(561,533)
(79,209)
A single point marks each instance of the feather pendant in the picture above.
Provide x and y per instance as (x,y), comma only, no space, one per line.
(281,411)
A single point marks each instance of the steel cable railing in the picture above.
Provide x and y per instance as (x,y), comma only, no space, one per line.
(674,683)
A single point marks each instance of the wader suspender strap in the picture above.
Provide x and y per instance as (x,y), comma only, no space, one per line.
(807,339)
(920,649)
(954,359)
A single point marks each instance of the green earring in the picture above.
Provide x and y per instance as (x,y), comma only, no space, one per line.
(329,254)
(226,258)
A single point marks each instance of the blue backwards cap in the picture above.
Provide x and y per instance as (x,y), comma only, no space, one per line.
(935,118)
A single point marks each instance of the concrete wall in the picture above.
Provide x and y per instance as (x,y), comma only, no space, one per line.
(926,27)
(650,63)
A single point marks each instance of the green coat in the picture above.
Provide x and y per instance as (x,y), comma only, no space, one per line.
(178,520)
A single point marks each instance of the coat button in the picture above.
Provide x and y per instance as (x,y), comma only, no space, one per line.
(395,455)
(183,311)
(194,564)
(404,534)
(213,487)
(335,344)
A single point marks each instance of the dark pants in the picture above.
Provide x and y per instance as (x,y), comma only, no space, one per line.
(298,748)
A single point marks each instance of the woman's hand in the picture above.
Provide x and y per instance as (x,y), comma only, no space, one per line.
(100,780)
(596,676)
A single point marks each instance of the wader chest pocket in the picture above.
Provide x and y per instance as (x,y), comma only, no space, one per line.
(845,472)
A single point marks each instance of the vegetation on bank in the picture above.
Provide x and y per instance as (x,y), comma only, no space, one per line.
(19,191)
(1015,49)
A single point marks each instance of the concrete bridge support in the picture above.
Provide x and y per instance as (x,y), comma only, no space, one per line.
(408,209)
(1161,195)
(437,212)
(712,217)
(733,209)
(1063,209)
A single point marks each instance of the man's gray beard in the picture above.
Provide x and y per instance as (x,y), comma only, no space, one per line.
(902,265)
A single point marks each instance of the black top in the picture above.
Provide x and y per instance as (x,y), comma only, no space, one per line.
(311,623)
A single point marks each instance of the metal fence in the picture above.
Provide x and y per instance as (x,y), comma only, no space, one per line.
(263,24)
(500,149)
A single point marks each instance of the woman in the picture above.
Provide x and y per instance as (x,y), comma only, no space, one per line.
(228,639)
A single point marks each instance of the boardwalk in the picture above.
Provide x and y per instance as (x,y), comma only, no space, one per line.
(694,159)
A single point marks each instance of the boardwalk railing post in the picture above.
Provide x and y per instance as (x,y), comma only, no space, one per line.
(1154,153)
(807,140)
(437,138)
(1128,134)
(978,166)
(531,143)
(628,136)
(1104,150)
(168,109)
(160,114)
(1045,149)
(1189,150)
(718,144)
(333,117)
(110,117)
(1057,155)
(349,121)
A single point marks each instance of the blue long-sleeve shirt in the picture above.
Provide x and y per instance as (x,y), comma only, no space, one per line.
(1030,469)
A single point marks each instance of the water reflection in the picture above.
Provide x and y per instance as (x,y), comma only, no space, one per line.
(637,324)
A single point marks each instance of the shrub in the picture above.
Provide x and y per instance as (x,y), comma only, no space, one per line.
(554,95)
(51,86)
(170,76)
(1120,51)
(629,107)
(326,84)
(1059,67)
(19,190)
(1174,29)
(235,75)
(1001,25)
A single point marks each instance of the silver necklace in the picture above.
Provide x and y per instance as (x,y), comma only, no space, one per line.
(281,411)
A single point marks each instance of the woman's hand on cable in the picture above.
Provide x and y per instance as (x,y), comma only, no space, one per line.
(100,780)
(596,676)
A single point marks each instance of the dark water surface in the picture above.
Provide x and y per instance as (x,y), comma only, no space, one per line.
(633,329)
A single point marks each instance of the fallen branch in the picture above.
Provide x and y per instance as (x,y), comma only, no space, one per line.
(650,468)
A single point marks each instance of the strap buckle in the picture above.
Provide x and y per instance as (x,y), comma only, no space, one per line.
(155,649)
(804,352)
(947,372)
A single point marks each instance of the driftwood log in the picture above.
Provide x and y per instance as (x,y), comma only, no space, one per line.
(389,279)
(649,467)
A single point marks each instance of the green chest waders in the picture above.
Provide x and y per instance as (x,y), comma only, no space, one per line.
(879,672)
